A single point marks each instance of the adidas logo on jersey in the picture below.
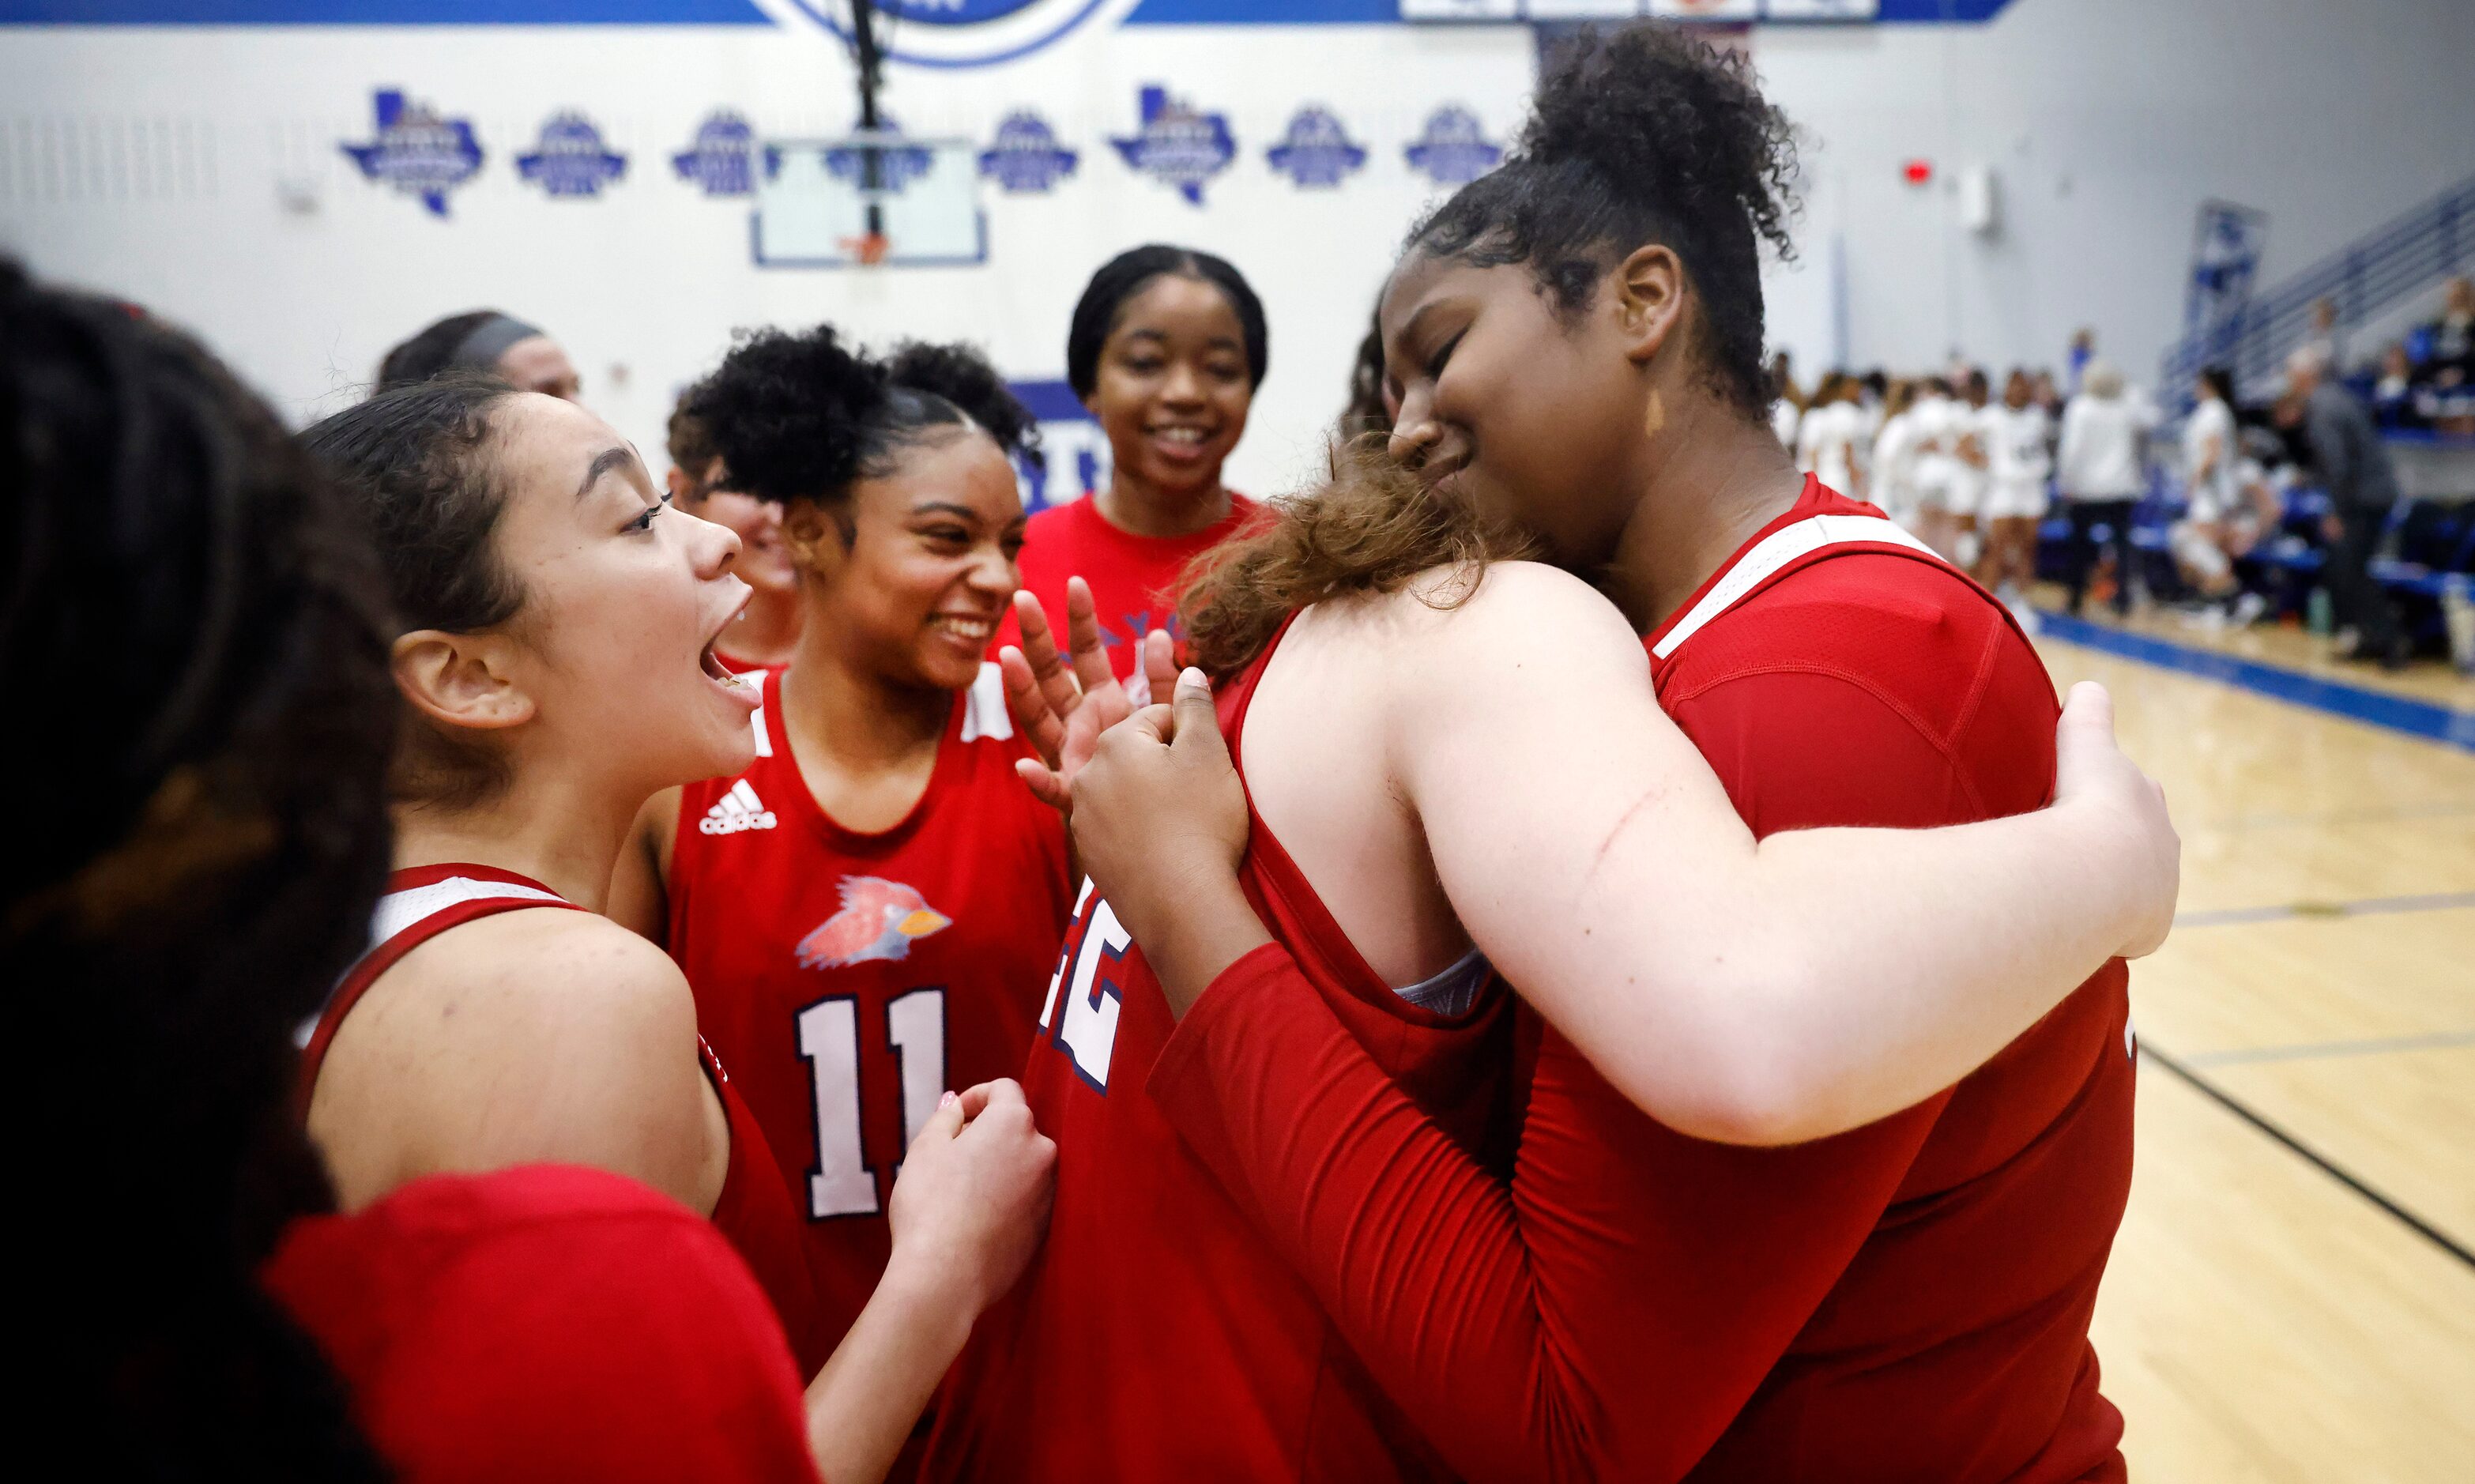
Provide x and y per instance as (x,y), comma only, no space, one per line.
(736,811)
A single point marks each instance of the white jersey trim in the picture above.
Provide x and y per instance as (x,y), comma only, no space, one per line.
(984,707)
(1775,552)
(399,911)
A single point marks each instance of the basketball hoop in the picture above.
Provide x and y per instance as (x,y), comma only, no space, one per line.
(868,248)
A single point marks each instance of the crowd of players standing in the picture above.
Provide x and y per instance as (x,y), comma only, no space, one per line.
(1975,475)
(1774,1195)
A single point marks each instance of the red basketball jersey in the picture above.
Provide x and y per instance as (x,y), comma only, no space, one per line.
(1907,1301)
(1133,578)
(1157,1335)
(547,1323)
(751,1211)
(849,980)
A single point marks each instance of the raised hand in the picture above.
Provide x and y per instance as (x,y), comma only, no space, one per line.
(1065,702)
(1159,824)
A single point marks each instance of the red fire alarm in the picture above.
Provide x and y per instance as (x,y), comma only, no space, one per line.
(1918,171)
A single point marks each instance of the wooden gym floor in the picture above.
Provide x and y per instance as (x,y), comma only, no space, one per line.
(2292,1294)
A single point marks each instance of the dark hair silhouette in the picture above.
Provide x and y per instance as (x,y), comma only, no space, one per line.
(804,416)
(431,353)
(194,859)
(1646,135)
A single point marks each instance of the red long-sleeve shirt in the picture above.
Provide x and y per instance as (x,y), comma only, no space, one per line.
(1907,1301)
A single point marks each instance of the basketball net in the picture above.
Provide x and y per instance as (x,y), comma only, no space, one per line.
(869,249)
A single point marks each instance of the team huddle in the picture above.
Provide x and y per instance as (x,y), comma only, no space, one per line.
(1570,950)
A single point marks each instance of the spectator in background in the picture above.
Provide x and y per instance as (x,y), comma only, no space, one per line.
(2446,346)
(483,340)
(2325,336)
(2395,393)
(2100,478)
(2354,468)
(2076,364)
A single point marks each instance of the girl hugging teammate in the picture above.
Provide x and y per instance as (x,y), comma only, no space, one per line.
(1272,1019)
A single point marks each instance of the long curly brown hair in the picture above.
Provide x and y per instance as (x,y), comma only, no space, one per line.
(1372,526)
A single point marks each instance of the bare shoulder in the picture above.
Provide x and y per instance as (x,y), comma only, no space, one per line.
(529,1036)
(1454,606)
(536,983)
(1515,621)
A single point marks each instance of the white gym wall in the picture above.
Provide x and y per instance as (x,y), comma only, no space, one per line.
(199,169)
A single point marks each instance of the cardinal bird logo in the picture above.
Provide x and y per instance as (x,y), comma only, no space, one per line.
(878,921)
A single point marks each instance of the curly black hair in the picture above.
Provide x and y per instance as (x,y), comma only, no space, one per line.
(196,847)
(1643,135)
(962,376)
(804,416)
(1122,277)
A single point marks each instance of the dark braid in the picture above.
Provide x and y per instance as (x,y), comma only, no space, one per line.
(189,633)
(1646,134)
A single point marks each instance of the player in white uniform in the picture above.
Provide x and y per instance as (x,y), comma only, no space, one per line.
(1969,438)
(2226,508)
(2019,460)
(1894,471)
(1936,419)
(1827,437)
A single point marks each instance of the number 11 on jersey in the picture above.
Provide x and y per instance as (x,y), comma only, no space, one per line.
(842,1182)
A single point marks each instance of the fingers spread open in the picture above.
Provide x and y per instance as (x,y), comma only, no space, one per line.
(1083,636)
(1030,705)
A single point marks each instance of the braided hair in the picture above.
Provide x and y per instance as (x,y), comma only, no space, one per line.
(194,861)
(1645,134)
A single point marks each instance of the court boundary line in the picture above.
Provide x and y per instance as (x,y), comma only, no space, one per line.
(2317,1051)
(2406,714)
(2327,911)
(2327,1167)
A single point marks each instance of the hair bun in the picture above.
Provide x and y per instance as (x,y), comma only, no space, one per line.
(1665,116)
(781,410)
(960,374)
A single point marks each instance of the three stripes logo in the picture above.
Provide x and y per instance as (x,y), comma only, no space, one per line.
(736,811)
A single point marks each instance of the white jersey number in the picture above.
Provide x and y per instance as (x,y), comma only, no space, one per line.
(842,1183)
(1089,1027)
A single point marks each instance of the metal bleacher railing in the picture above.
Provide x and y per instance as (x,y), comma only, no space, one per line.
(2403,257)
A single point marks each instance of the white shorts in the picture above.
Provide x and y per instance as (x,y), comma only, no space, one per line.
(2007,501)
(1966,494)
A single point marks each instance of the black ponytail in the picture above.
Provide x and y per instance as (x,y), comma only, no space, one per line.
(1645,134)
